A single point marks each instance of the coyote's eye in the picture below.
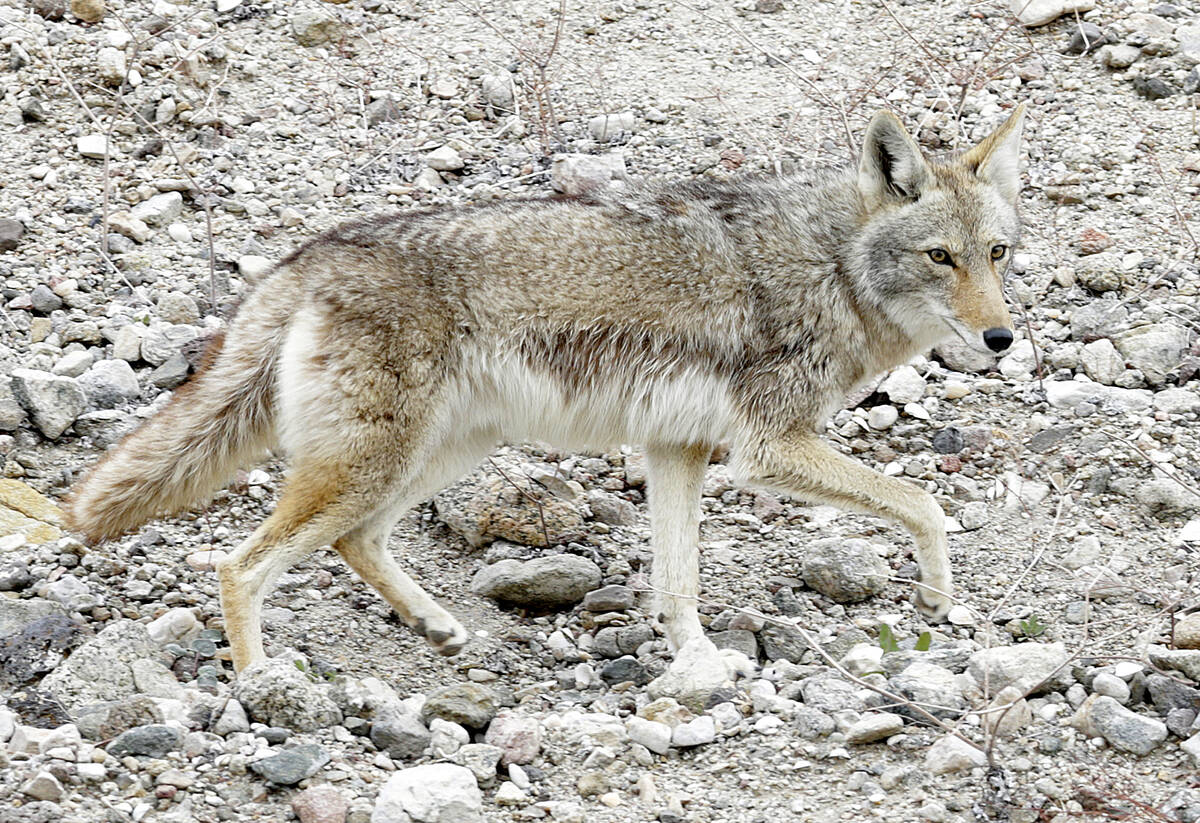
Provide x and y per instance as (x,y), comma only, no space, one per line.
(998,252)
(941,257)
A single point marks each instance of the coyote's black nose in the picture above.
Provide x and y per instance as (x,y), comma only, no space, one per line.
(997,339)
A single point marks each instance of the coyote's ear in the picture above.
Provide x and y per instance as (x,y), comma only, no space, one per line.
(892,168)
(997,160)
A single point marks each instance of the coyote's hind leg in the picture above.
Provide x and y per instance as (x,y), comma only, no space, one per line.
(365,548)
(365,551)
(319,505)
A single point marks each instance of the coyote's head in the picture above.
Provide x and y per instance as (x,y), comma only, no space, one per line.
(938,236)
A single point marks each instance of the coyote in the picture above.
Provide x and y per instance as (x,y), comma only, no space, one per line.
(389,355)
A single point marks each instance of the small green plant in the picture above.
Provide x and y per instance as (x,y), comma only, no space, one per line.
(1032,627)
(887,640)
(924,642)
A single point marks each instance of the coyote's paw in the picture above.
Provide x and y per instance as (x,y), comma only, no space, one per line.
(699,670)
(932,605)
(445,634)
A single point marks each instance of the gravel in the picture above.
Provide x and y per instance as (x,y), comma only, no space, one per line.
(1057,460)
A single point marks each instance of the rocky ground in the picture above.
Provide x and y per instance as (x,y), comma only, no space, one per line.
(228,133)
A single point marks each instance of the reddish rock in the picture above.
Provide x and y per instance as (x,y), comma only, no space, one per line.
(321,804)
(518,735)
(1093,241)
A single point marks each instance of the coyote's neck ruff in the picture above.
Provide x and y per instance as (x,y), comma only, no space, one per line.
(388,356)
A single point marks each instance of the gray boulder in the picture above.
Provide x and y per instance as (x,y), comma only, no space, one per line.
(110,383)
(434,793)
(53,401)
(278,693)
(845,571)
(1023,665)
(545,582)
(1156,349)
(100,670)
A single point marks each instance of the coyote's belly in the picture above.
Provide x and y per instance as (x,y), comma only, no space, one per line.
(519,401)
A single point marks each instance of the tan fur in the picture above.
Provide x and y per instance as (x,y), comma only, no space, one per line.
(388,356)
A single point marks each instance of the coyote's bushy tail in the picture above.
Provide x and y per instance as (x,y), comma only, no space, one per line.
(221,419)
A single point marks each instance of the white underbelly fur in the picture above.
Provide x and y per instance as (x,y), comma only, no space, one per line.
(502,394)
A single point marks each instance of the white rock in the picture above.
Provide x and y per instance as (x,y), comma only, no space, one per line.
(73,364)
(52,401)
(960,615)
(510,795)
(72,592)
(1112,686)
(653,735)
(950,754)
(1023,665)
(594,728)
(1020,493)
(43,786)
(435,793)
(91,145)
(1192,747)
(519,777)
(111,65)
(580,173)
(1126,669)
(1177,401)
(178,625)
(91,772)
(1085,552)
(1020,361)
(1102,362)
(875,726)
(695,732)
(233,719)
(1118,56)
(605,126)
(254,266)
(1102,716)
(904,385)
(974,515)
(206,561)
(444,158)
(918,411)
(1040,12)
(882,417)
(954,389)
(863,658)
(28,740)
(122,222)
(1010,713)
(179,232)
(160,209)
(110,383)
(446,737)
(127,345)
(8,724)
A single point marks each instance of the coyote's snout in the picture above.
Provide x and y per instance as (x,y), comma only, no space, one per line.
(388,356)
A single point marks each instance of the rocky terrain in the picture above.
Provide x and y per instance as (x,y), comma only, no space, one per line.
(159,156)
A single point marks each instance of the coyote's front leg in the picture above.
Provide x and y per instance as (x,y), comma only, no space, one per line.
(803,465)
(675,477)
